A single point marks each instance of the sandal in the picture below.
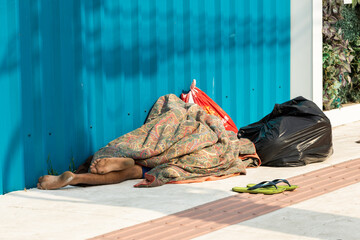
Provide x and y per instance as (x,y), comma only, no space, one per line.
(276,181)
(266,187)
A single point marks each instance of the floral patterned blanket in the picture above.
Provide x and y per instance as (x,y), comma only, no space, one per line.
(182,143)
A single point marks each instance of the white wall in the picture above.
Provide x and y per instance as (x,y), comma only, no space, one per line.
(301,49)
(306,50)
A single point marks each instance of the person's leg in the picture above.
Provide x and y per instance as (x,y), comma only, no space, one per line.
(106,165)
(69,178)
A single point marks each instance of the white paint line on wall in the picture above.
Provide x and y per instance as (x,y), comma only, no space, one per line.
(317,70)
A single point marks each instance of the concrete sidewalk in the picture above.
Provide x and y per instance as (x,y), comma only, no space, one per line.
(80,213)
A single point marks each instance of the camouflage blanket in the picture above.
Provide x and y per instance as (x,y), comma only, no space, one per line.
(182,143)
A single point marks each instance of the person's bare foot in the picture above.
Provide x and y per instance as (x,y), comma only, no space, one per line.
(106,165)
(49,182)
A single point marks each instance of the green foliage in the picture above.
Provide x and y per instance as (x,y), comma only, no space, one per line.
(350,24)
(331,14)
(51,170)
(72,167)
(336,55)
(355,64)
(351,92)
(355,3)
(336,70)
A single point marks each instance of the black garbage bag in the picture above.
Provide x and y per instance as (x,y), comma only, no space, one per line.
(295,133)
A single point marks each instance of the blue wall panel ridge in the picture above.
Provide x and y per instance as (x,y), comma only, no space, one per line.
(74,75)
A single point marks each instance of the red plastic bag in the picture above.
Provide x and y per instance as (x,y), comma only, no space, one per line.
(197,96)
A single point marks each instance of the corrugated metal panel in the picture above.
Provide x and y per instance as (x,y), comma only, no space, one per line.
(11,145)
(77,74)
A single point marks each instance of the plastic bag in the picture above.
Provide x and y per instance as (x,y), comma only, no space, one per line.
(295,133)
(197,96)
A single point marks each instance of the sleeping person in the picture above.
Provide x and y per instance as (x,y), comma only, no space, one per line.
(179,143)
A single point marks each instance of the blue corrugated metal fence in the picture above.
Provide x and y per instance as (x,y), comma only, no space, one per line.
(77,74)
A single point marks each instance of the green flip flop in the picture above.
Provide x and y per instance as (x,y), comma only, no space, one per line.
(266,191)
(287,187)
(265,187)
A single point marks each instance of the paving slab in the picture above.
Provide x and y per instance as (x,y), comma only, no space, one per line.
(215,215)
(332,216)
(81,213)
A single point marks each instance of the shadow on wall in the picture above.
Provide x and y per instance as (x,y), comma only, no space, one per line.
(9,61)
(90,70)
